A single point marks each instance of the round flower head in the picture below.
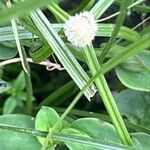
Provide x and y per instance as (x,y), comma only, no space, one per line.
(81,29)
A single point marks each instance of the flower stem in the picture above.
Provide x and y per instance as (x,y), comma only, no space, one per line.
(29,91)
(106,95)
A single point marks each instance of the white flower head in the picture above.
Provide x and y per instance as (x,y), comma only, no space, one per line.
(81,29)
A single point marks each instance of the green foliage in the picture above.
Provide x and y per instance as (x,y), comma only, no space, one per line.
(41,54)
(95,127)
(135,73)
(62,52)
(134,105)
(83,131)
(45,119)
(16,94)
(119,48)
(105,30)
(60,95)
(20,9)
(100,7)
(7,52)
(10,104)
(12,140)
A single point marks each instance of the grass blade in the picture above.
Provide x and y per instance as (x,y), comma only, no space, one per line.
(101,145)
(100,7)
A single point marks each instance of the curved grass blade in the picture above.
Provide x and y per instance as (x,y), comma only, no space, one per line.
(100,7)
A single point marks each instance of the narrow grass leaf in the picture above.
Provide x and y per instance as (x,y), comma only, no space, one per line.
(98,144)
(14,27)
(100,7)
(84,5)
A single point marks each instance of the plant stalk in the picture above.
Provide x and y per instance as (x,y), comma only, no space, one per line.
(106,96)
(28,108)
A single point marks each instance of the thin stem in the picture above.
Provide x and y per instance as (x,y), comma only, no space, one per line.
(49,65)
(48,137)
(109,17)
(107,97)
(117,13)
(29,91)
(139,24)
(120,19)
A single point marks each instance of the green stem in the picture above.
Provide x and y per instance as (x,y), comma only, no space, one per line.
(49,135)
(120,19)
(107,97)
(28,108)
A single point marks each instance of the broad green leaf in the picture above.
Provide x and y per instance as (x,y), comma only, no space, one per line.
(97,129)
(3,86)
(75,145)
(135,106)
(100,7)
(140,79)
(7,52)
(93,132)
(10,140)
(9,105)
(45,119)
(141,140)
